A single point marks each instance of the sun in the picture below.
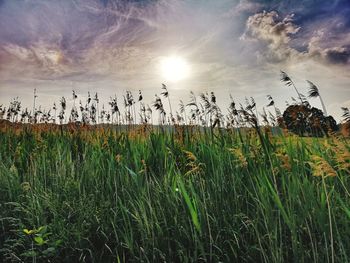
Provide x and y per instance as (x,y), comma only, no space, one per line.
(174,68)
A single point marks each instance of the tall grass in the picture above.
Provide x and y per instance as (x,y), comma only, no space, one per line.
(145,196)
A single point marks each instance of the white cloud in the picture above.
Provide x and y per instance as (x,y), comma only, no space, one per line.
(277,33)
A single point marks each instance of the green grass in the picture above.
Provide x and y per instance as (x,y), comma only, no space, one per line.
(108,196)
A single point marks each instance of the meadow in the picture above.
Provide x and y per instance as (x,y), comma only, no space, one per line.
(93,194)
(196,185)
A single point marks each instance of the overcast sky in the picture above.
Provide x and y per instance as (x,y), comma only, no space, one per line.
(233,47)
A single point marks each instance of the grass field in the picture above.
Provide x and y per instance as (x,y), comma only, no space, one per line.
(100,195)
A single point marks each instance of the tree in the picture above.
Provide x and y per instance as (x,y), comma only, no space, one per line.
(307,121)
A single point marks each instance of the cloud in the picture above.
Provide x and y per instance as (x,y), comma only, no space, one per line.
(338,55)
(244,7)
(274,31)
(248,6)
(329,49)
(277,35)
(57,39)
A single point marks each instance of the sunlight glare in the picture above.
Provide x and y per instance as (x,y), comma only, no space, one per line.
(174,68)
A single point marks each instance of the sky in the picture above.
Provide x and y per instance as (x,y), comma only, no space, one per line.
(235,47)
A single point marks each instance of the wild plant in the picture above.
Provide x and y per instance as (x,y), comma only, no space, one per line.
(158,105)
(114,109)
(346,114)
(314,93)
(288,82)
(194,109)
(61,115)
(165,94)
